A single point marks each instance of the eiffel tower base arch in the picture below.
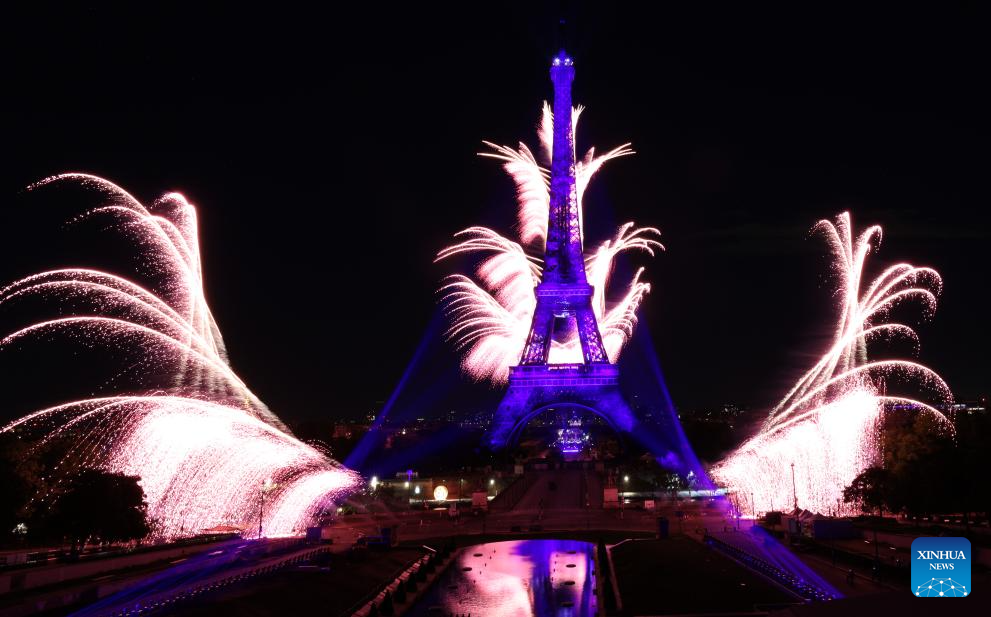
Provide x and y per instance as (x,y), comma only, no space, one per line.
(533,389)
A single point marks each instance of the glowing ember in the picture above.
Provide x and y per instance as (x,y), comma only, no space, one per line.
(491,317)
(204,447)
(827,425)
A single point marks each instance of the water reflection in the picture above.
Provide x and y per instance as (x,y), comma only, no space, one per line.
(540,578)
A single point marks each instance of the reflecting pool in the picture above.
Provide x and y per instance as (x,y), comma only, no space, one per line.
(540,578)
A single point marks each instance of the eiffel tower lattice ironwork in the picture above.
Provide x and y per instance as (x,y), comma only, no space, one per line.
(564,304)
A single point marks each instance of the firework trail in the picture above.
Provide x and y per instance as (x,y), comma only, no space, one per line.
(491,313)
(827,425)
(203,447)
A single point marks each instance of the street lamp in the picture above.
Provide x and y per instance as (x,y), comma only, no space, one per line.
(267,486)
(374,482)
(794,491)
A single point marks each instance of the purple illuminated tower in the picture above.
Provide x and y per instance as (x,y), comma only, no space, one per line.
(564,303)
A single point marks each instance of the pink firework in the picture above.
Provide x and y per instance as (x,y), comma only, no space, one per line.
(827,425)
(491,312)
(204,447)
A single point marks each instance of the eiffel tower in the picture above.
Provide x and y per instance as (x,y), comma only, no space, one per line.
(564,304)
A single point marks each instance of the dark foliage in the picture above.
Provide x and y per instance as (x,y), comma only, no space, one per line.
(927,468)
(99,505)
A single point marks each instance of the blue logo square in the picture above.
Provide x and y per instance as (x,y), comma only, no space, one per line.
(941,567)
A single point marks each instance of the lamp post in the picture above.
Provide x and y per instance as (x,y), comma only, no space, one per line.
(794,491)
(877,554)
(267,486)
(622,497)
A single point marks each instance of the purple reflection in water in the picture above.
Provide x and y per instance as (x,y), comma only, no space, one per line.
(540,578)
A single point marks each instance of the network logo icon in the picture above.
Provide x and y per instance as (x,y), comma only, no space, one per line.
(941,587)
(941,567)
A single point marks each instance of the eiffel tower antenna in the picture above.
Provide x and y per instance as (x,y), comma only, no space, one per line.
(561,34)
(563,31)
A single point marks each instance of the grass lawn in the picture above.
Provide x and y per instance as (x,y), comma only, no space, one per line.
(298,591)
(678,575)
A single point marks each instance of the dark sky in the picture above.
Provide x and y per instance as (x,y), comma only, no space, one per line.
(331,154)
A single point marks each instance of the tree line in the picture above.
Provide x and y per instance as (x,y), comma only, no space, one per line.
(926,467)
(49,497)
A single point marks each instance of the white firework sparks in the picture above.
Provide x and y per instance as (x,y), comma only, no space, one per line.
(491,313)
(203,447)
(827,425)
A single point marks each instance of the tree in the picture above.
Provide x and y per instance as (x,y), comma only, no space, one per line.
(13,495)
(103,505)
(870,489)
(20,478)
(928,471)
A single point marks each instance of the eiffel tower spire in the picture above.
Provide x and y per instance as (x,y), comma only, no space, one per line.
(563,261)
(563,292)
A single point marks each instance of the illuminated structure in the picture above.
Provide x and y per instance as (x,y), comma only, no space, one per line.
(563,304)
(573,438)
(548,346)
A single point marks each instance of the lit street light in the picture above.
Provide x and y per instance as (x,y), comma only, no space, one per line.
(267,487)
(794,491)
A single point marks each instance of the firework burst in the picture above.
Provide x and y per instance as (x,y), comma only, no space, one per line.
(491,312)
(827,424)
(204,445)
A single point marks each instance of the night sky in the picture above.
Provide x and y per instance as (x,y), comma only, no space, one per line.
(331,154)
